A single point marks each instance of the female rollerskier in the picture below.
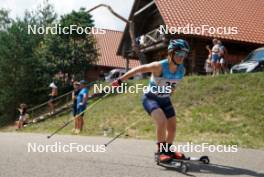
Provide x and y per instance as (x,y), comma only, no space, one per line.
(164,73)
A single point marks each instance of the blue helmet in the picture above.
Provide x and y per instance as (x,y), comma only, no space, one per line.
(178,44)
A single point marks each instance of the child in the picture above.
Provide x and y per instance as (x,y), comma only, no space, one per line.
(23,116)
(208,67)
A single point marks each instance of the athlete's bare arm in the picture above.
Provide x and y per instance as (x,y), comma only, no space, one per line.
(153,67)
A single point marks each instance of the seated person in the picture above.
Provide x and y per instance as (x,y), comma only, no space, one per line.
(23,116)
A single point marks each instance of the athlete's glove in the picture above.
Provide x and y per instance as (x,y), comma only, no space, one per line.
(117,83)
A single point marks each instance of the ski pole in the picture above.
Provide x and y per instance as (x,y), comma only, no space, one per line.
(67,123)
(113,139)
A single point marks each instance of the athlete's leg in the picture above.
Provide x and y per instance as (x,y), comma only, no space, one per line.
(153,108)
(171,129)
(160,121)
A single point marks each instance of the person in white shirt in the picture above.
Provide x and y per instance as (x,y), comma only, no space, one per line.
(52,96)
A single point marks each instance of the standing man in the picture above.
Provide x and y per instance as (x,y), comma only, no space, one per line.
(75,92)
(82,99)
(223,53)
(52,96)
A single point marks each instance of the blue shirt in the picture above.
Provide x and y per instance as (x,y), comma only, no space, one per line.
(84,91)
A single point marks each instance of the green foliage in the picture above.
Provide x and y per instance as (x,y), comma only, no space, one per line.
(29,62)
(71,53)
(21,72)
(4,19)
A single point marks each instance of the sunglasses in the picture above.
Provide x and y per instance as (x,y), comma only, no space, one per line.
(180,53)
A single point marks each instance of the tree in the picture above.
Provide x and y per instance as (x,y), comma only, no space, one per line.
(72,53)
(5,21)
(28,62)
(24,76)
(46,14)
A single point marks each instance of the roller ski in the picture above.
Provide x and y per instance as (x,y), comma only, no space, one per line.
(179,161)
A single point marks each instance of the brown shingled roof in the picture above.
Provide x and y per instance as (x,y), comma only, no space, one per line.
(107,45)
(246,15)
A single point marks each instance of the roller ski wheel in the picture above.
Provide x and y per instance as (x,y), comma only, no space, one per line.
(177,164)
(205,159)
(156,158)
(184,168)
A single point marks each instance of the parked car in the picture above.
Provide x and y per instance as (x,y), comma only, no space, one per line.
(116,73)
(254,62)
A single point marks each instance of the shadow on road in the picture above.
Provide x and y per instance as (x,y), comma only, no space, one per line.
(222,170)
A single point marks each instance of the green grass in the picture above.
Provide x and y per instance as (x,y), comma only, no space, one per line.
(228,109)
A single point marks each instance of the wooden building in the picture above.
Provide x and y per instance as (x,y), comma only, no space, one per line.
(241,21)
(107,45)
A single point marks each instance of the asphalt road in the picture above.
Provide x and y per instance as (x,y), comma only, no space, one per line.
(123,158)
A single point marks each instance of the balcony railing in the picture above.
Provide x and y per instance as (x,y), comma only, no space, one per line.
(150,38)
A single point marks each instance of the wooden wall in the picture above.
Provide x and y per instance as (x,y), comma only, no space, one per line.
(93,73)
(195,62)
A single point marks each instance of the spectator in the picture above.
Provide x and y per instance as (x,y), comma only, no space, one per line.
(76,86)
(52,96)
(208,67)
(215,57)
(82,99)
(223,53)
(208,62)
(209,52)
(23,116)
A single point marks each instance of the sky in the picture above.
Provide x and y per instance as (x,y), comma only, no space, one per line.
(102,17)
